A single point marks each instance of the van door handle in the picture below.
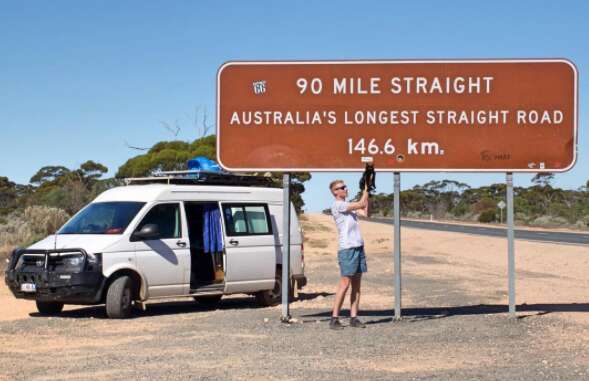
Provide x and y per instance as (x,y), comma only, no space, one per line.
(234,242)
(181,243)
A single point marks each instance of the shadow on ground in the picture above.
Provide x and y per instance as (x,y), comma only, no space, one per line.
(175,307)
(312,295)
(480,309)
(161,308)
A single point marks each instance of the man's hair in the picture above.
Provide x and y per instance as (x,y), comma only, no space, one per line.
(334,183)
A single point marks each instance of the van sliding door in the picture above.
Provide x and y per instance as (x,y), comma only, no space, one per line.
(249,247)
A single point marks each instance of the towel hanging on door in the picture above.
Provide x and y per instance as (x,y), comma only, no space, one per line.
(212,236)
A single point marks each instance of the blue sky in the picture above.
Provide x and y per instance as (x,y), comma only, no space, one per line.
(78,79)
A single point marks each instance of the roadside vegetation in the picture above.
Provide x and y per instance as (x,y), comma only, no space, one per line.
(29,212)
(540,205)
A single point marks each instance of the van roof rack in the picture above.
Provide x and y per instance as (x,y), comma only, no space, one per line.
(199,177)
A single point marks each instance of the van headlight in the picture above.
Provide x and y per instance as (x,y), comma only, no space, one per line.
(70,263)
(73,261)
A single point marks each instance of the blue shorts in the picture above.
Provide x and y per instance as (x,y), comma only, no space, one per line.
(352,261)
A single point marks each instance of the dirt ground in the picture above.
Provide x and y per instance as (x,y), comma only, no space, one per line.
(455,324)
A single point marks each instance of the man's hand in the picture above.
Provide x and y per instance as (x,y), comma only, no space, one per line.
(362,204)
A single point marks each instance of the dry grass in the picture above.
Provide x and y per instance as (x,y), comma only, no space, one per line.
(23,229)
(313,226)
(316,243)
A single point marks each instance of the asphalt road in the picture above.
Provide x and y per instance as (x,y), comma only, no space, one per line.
(528,235)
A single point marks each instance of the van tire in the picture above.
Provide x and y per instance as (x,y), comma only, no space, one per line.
(119,298)
(49,308)
(269,298)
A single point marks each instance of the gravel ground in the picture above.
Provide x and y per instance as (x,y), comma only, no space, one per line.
(239,341)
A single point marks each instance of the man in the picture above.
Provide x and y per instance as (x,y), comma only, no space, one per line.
(351,258)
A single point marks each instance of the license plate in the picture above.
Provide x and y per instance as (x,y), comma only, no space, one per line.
(28,287)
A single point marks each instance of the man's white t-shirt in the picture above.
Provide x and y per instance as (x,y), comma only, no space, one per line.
(347,225)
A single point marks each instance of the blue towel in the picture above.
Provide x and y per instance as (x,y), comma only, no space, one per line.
(212,236)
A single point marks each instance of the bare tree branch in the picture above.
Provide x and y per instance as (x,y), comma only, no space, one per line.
(177,125)
(206,126)
(195,122)
(200,124)
(136,148)
(204,123)
(173,130)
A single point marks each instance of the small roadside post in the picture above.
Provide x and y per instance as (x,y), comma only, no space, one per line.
(501,206)
(285,317)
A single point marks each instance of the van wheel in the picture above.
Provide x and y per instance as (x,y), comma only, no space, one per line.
(119,298)
(49,308)
(211,301)
(268,298)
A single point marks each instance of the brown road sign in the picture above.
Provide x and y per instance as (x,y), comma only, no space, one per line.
(459,115)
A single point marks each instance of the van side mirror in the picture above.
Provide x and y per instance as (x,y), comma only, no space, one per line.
(148,231)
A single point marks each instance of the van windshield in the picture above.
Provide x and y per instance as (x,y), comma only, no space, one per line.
(102,218)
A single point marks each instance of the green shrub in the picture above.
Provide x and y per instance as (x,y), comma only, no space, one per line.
(415,215)
(460,210)
(487,215)
(549,221)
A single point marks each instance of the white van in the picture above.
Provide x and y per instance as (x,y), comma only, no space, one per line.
(141,242)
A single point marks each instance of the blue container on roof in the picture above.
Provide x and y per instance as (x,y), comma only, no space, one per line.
(202,163)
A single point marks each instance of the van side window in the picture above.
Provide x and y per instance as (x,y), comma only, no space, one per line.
(257,223)
(247,219)
(166,217)
(237,218)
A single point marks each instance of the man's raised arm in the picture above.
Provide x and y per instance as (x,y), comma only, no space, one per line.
(361,206)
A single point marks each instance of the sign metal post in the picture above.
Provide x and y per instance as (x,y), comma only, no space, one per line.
(285,318)
(510,245)
(397,244)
